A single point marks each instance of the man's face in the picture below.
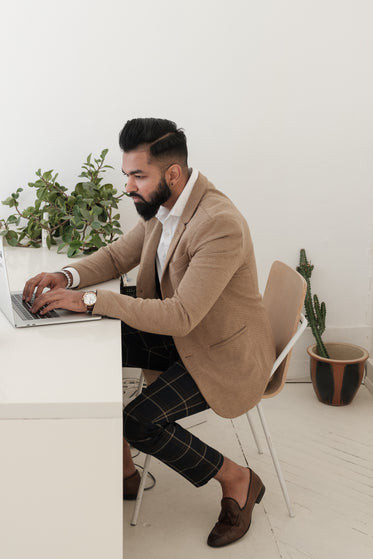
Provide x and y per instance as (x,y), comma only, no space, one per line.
(146,185)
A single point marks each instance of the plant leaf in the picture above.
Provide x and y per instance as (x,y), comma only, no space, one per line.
(12,238)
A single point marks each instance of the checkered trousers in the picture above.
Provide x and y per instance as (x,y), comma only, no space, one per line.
(149,421)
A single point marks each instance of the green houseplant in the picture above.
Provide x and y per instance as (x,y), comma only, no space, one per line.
(80,221)
(337,369)
(314,310)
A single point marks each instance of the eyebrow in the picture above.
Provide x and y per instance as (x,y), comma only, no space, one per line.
(135,172)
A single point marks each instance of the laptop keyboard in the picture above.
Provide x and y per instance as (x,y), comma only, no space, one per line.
(23,309)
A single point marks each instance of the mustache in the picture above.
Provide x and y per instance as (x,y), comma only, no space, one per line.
(132,194)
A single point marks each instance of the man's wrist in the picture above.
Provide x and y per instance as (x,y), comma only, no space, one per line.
(89,299)
(72,277)
(69,278)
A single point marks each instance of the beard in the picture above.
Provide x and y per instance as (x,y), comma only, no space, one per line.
(147,210)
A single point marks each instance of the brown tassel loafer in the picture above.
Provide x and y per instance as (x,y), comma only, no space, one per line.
(131,486)
(234,521)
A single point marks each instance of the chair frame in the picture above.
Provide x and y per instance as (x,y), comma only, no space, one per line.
(259,407)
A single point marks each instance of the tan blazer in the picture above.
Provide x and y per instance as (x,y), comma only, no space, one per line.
(210,302)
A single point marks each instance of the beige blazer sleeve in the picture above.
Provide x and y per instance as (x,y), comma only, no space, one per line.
(110,262)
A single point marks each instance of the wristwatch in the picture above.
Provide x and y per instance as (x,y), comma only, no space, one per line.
(89,299)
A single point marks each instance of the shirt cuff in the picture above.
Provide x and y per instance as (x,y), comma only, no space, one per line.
(75,275)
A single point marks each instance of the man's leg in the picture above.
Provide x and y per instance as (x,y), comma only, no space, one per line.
(234,479)
(128,465)
(149,424)
(146,351)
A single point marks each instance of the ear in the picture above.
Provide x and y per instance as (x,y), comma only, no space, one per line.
(173,174)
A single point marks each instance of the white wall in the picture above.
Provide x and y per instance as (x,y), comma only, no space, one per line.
(275,98)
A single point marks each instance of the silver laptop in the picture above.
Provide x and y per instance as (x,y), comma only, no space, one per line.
(18,312)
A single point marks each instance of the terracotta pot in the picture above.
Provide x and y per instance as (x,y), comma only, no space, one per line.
(336,380)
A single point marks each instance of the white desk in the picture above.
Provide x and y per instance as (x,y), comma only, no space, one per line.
(60,432)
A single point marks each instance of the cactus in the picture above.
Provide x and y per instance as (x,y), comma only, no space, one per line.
(314,310)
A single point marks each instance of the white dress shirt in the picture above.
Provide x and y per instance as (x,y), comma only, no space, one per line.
(169,220)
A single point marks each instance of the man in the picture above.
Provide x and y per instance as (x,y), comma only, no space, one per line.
(198,316)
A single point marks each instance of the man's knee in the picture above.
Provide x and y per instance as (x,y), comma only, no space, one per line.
(136,430)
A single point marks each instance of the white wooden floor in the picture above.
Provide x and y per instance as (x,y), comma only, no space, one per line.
(327,458)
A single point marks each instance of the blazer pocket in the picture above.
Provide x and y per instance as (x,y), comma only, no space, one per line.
(230,339)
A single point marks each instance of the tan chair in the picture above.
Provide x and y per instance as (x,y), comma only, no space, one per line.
(283,297)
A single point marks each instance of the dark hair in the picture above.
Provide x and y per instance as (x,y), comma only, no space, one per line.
(165,140)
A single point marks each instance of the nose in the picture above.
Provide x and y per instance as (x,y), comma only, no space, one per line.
(131,184)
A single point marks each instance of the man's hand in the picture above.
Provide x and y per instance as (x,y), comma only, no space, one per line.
(53,281)
(59,298)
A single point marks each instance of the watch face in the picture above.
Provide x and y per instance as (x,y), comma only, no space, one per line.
(90,298)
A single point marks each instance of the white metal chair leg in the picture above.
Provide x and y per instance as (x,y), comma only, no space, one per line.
(275,459)
(254,432)
(141,490)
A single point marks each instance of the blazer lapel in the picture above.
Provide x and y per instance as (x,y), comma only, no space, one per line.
(146,276)
(197,193)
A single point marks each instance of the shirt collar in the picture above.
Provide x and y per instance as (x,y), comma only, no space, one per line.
(178,208)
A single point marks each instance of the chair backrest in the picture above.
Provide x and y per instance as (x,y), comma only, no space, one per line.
(283,298)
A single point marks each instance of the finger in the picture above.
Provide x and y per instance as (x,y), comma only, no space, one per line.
(42,300)
(38,302)
(27,288)
(30,286)
(39,283)
(47,308)
(60,299)
(44,282)
(50,300)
